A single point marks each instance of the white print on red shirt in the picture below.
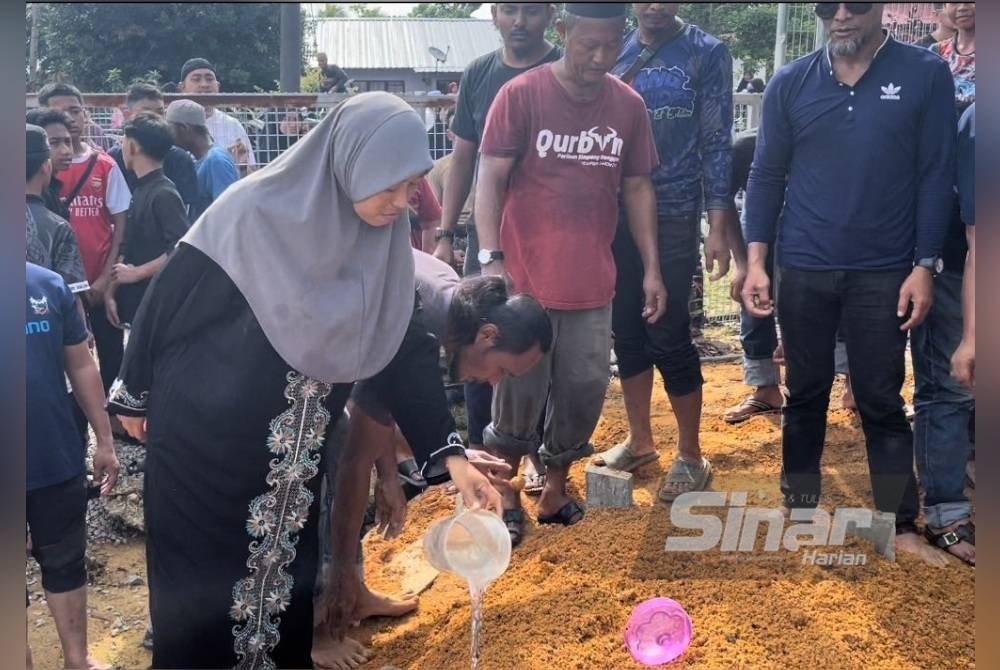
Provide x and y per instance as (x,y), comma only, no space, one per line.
(581,147)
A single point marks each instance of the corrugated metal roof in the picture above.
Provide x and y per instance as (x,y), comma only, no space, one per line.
(402,42)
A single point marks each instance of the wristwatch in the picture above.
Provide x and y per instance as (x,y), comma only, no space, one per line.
(933,264)
(487,256)
(441,233)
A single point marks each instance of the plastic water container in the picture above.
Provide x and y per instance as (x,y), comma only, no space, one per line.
(658,631)
(472,544)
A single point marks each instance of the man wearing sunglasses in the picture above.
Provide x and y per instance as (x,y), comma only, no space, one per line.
(865,129)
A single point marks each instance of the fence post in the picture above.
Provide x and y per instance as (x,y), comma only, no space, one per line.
(290,49)
(780,36)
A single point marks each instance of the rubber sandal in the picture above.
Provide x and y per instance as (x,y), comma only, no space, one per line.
(409,473)
(689,476)
(514,520)
(533,484)
(620,458)
(945,541)
(756,407)
(568,514)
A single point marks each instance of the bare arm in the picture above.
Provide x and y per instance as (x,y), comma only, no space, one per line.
(89,393)
(491,187)
(457,184)
(963,361)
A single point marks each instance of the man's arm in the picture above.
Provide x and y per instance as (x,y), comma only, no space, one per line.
(89,394)
(936,154)
(457,184)
(491,187)
(640,208)
(715,125)
(766,195)
(103,282)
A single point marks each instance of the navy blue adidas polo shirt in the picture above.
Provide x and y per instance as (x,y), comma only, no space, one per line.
(871,167)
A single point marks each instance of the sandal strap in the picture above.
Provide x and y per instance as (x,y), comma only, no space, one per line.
(949,539)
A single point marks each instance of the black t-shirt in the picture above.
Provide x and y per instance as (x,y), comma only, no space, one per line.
(156,222)
(337,76)
(481,82)
(178,167)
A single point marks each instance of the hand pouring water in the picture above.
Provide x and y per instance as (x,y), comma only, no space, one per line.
(474,545)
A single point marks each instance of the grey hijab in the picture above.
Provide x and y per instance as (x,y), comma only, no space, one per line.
(332,294)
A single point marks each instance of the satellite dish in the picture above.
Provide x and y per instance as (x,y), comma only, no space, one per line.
(439,56)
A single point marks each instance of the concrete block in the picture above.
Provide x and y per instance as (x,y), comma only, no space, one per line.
(607,487)
(882,533)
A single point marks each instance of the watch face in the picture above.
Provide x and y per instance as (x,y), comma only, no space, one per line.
(939,265)
(485,256)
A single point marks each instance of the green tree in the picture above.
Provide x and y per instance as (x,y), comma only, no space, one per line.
(333,11)
(363,10)
(84,42)
(748,29)
(445,10)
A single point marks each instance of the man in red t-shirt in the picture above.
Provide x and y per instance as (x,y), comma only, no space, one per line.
(425,216)
(98,198)
(560,141)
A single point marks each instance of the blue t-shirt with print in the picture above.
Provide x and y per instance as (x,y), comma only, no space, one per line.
(688,90)
(52,322)
(216,172)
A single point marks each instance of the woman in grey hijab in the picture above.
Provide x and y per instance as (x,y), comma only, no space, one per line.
(293,284)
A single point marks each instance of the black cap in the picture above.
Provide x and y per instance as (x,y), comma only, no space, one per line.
(36,142)
(596,10)
(196,64)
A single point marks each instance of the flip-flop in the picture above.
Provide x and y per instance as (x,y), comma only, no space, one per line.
(748,408)
(619,457)
(690,477)
(409,473)
(514,520)
(568,514)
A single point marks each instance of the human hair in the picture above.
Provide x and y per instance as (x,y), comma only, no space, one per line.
(152,132)
(47,116)
(34,163)
(758,85)
(56,89)
(142,91)
(520,319)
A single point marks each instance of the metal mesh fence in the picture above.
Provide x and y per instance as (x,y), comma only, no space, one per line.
(274,123)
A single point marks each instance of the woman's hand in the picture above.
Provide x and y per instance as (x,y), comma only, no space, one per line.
(390,506)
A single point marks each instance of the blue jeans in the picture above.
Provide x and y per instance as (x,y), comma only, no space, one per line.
(943,407)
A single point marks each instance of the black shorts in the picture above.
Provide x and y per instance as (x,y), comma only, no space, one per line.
(57,521)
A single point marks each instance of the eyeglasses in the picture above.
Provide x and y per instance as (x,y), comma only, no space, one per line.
(827,10)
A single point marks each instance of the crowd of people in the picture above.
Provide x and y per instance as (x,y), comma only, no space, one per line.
(286,324)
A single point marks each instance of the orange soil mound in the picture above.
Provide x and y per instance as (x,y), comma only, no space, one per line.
(565,599)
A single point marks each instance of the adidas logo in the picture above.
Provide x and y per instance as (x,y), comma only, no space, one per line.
(890,92)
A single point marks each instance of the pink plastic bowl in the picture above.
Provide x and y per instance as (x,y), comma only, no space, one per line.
(658,631)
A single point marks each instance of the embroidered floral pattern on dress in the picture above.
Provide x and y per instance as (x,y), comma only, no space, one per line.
(274,520)
(119,395)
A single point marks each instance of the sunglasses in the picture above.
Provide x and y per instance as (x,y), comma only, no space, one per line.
(827,10)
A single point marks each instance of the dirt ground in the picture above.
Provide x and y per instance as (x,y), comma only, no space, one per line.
(565,599)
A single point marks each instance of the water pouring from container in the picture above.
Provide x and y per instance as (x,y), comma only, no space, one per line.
(475,545)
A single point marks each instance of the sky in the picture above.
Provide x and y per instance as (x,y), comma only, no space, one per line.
(403,8)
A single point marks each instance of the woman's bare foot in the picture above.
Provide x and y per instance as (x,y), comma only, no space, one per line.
(373,603)
(330,654)
(913,544)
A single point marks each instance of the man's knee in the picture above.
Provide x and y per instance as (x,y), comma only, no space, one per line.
(62,563)
(507,445)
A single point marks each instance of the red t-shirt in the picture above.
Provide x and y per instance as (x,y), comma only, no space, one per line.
(103,194)
(428,212)
(560,210)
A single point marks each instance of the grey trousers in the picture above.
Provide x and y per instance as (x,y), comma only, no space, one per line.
(572,377)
